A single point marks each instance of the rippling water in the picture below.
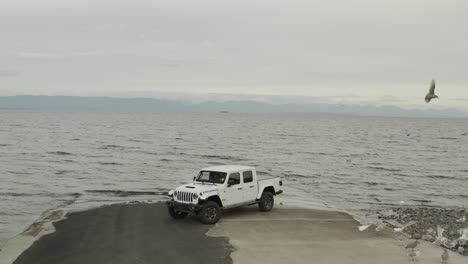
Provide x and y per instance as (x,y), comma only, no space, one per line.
(359,164)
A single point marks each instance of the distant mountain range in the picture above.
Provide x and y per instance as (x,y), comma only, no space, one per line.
(160,105)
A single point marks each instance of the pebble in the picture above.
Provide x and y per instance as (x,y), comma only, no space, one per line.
(461,250)
(428,238)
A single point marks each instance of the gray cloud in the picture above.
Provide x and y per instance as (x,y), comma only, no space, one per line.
(8,73)
(328,49)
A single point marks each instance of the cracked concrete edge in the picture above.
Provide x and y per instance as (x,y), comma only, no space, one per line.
(13,247)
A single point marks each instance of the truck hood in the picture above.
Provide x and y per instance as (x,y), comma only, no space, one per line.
(199,188)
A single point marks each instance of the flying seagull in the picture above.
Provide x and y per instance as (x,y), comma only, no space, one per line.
(431,95)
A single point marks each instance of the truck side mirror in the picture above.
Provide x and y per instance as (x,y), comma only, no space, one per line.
(194,178)
(229,185)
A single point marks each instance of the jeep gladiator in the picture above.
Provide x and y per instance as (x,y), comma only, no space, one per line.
(222,187)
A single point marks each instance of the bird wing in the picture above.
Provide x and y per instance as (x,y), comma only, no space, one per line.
(432,87)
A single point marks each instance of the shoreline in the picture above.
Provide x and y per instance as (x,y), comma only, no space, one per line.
(15,246)
(28,243)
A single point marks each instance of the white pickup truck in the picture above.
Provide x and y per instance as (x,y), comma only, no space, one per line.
(222,187)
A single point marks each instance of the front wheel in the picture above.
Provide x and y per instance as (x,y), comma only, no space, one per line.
(176,214)
(266,202)
(210,213)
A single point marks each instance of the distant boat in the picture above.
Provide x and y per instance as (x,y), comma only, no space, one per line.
(224,112)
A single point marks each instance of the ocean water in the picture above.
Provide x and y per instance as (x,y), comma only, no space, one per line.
(362,165)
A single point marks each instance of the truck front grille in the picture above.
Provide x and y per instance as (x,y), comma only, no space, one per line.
(184,197)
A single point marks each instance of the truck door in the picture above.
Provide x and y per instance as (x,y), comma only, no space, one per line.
(233,193)
(250,186)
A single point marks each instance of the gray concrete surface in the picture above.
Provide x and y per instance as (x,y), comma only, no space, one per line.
(313,236)
(144,233)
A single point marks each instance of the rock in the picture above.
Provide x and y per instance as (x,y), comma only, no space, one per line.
(463,242)
(428,238)
(380,227)
(430,231)
(416,236)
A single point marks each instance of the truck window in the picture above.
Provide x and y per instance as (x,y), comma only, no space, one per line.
(211,176)
(248,176)
(234,178)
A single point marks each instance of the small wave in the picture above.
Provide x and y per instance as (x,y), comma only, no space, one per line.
(383,168)
(215,163)
(60,153)
(111,147)
(341,183)
(321,153)
(401,174)
(441,177)
(148,152)
(140,141)
(236,159)
(60,172)
(44,194)
(371,183)
(296,176)
(263,173)
(388,189)
(165,160)
(76,139)
(448,138)
(121,193)
(17,194)
(4,145)
(110,163)
(176,153)
(179,138)
(422,200)
(19,172)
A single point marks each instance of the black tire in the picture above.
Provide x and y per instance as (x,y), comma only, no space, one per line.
(176,214)
(210,213)
(267,202)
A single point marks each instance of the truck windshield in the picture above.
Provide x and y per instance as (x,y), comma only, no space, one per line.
(211,176)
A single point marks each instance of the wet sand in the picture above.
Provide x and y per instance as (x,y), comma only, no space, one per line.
(144,233)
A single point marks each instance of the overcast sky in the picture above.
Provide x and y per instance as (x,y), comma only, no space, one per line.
(339,50)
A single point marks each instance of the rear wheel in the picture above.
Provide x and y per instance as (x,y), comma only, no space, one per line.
(266,202)
(210,213)
(176,214)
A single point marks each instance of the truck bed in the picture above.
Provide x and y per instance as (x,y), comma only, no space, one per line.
(263,178)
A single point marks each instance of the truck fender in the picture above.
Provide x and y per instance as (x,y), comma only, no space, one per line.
(215,198)
(268,188)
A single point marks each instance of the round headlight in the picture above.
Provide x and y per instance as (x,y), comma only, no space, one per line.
(195,196)
(175,194)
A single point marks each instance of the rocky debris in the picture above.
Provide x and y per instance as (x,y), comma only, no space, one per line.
(461,250)
(428,238)
(445,227)
(463,242)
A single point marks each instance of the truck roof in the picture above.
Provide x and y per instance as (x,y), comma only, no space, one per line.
(228,168)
